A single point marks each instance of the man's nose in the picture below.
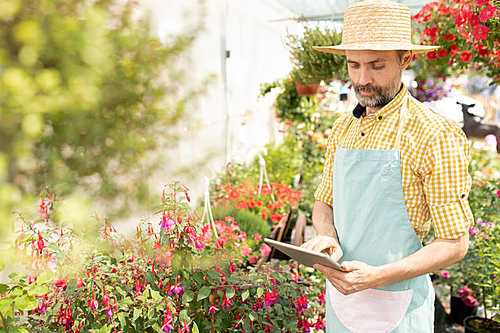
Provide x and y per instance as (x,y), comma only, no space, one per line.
(365,77)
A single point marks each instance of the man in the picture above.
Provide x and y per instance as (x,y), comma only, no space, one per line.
(391,166)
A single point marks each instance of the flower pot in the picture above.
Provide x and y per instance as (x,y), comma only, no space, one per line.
(474,324)
(307,90)
(459,311)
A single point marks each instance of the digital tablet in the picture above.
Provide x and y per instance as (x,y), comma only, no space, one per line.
(304,256)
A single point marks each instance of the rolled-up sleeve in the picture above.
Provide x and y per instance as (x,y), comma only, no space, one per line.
(447,184)
(325,189)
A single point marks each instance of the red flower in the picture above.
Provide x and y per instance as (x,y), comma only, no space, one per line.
(487,13)
(442,53)
(465,56)
(466,11)
(460,20)
(443,10)
(480,32)
(480,3)
(449,37)
(474,20)
(431,55)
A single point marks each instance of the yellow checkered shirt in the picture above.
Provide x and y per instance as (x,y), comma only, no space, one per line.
(434,160)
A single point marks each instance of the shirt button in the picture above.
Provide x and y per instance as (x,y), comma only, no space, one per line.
(463,196)
(362,133)
(379,117)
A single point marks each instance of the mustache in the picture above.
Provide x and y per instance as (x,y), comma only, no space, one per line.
(368,87)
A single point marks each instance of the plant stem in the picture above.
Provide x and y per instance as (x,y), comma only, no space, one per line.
(484,303)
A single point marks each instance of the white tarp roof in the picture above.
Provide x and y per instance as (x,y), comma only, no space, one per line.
(328,9)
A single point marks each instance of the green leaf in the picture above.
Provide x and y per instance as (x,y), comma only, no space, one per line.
(252,318)
(260,292)
(245,295)
(45,277)
(183,314)
(70,288)
(246,326)
(26,302)
(188,296)
(38,291)
(195,328)
(3,289)
(230,292)
(203,293)
(150,277)
(214,275)
(137,314)
(121,318)
(17,291)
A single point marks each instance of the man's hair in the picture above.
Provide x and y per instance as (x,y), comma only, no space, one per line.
(401,54)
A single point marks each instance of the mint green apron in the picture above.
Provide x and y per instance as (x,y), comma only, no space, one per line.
(373,227)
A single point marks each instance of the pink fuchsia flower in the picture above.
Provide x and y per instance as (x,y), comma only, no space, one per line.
(445,274)
(253,260)
(498,194)
(198,244)
(178,289)
(473,231)
(265,249)
(245,250)
(487,13)
(226,302)
(109,312)
(94,304)
(212,309)
(258,237)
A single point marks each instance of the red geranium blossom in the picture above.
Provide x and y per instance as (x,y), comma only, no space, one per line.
(480,32)
(465,56)
(442,53)
(474,20)
(487,13)
(449,37)
(431,55)
(480,3)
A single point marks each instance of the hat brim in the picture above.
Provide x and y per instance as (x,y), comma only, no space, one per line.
(339,49)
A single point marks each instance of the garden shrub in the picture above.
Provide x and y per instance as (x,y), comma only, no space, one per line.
(174,275)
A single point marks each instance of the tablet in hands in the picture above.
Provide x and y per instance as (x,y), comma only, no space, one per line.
(304,256)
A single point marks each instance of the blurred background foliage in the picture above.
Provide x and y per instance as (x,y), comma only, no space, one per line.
(86,94)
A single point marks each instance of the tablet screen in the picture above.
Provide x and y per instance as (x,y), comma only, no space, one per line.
(304,256)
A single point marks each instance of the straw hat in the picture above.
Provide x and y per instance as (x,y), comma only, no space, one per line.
(379,25)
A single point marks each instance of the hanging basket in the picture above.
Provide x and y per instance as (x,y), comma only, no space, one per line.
(307,90)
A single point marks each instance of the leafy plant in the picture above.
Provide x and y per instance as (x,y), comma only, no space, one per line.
(177,276)
(311,66)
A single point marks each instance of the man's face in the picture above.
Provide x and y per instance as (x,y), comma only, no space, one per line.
(375,75)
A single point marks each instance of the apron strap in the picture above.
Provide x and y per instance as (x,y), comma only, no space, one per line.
(403,117)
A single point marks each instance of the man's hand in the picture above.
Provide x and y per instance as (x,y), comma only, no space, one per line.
(357,276)
(322,243)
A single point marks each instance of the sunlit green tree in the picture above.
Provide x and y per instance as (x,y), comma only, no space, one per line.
(86,92)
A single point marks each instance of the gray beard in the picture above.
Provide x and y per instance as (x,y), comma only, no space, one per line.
(384,96)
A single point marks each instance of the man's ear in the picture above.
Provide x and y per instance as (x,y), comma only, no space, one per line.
(407,59)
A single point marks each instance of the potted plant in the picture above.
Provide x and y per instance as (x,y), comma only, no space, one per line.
(310,67)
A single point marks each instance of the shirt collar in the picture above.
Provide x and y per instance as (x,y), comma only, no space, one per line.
(396,102)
